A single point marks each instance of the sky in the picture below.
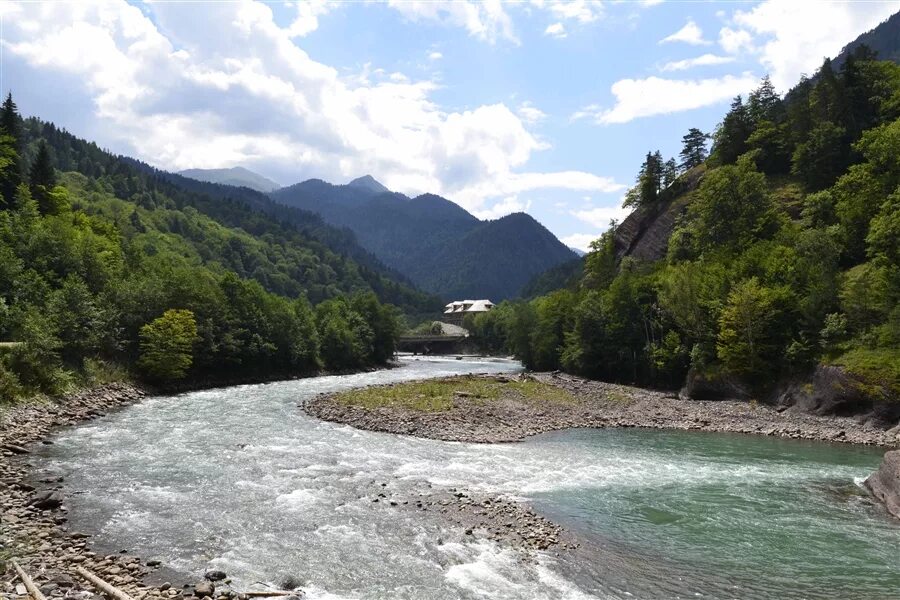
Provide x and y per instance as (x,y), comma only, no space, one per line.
(541,106)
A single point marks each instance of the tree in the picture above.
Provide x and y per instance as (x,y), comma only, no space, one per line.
(669,173)
(745,326)
(764,103)
(730,140)
(693,148)
(820,159)
(10,151)
(42,176)
(167,345)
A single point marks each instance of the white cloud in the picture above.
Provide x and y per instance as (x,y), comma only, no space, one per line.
(600,216)
(486,20)
(583,11)
(530,113)
(636,98)
(700,61)
(689,34)
(582,241)
(435,56)
(557,30)
(240,92)
(794,37)
(506,206)
(735,40)
(307,20)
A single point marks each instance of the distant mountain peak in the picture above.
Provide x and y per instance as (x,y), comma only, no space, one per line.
(370,183)
(237,176)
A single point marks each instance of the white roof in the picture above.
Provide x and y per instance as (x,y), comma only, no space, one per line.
(467,306)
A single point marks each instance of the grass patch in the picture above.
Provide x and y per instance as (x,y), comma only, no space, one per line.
(875,367)
(437,395)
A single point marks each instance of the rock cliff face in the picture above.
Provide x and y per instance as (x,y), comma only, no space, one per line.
(644,234)
(885,482)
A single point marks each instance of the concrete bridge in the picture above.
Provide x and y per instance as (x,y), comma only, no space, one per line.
(431,343)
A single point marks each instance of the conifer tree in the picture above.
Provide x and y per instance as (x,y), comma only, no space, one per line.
(12,171)
(764,103)
(731,137)
(693,150)
(42,176)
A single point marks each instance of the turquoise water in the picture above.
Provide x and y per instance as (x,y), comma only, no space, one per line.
(241,479)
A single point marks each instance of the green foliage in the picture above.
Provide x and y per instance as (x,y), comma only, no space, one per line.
(88,266)
(693,148)
(167,345)
(745,291)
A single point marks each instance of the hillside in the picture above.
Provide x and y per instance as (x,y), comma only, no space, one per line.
(110,269)
(766,268)
(236,176)
(435,243)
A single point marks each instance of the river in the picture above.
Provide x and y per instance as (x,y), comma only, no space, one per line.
(242,480)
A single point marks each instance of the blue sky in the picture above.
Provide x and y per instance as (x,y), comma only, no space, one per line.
(542,106)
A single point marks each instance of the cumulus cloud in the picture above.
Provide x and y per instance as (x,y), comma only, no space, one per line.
(636,98)
(557,30)
(700,61)
(600,216)
(735,40)
(485,20)
(583,11)
(794,37)
(530,113)
(435,56)
(504,207)
(307,19)
(240,91)
(689,34)
(581,241)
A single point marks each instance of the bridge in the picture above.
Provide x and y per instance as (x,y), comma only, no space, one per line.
(431,343)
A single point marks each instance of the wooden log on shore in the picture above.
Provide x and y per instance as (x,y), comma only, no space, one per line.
(29,584)
(108,589)
(267,594)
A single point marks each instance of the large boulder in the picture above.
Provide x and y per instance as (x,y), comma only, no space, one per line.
(885,482)
(714,385)
(47,500)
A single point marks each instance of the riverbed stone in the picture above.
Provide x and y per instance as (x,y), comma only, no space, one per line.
(885,482)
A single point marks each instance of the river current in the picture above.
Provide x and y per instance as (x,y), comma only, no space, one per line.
(241,479)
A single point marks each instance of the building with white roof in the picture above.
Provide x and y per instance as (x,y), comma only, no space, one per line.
(455,312)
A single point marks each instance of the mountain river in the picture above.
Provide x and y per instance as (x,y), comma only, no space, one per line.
(241,479)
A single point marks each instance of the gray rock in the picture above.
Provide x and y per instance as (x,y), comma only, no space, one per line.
(204,588)
(885,482)
(215,575)
(47,500)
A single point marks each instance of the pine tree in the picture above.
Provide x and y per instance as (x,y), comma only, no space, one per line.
(764,103)
(693,150)
(731,137)
(650,179)
(669,173)
(42,176)
(10,122)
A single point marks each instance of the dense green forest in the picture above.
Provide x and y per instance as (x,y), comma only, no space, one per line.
(110,269)
(787,255)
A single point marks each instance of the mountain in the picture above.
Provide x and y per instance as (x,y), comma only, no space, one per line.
(368,182)
(236,176)
(884,40)
(434,242)
(578,251)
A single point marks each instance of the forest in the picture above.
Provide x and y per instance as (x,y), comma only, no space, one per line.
(110,270)
(786,257)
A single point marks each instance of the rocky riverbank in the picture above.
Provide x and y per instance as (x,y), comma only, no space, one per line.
(885,482)
(33,522)
(597,404)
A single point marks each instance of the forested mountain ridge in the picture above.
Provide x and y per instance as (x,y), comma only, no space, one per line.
(111,269)
(437,244)
(236,176)
(773,258)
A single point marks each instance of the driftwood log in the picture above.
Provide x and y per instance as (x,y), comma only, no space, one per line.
(29,584)
(102,585)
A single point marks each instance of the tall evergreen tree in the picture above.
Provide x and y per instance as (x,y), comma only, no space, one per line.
(42,176)
(731,137)
(10,122)
(764,103)
(693,148)
(669,173)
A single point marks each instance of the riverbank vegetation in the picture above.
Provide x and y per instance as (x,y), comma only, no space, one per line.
(111,270)
(786,256)
(438,394)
